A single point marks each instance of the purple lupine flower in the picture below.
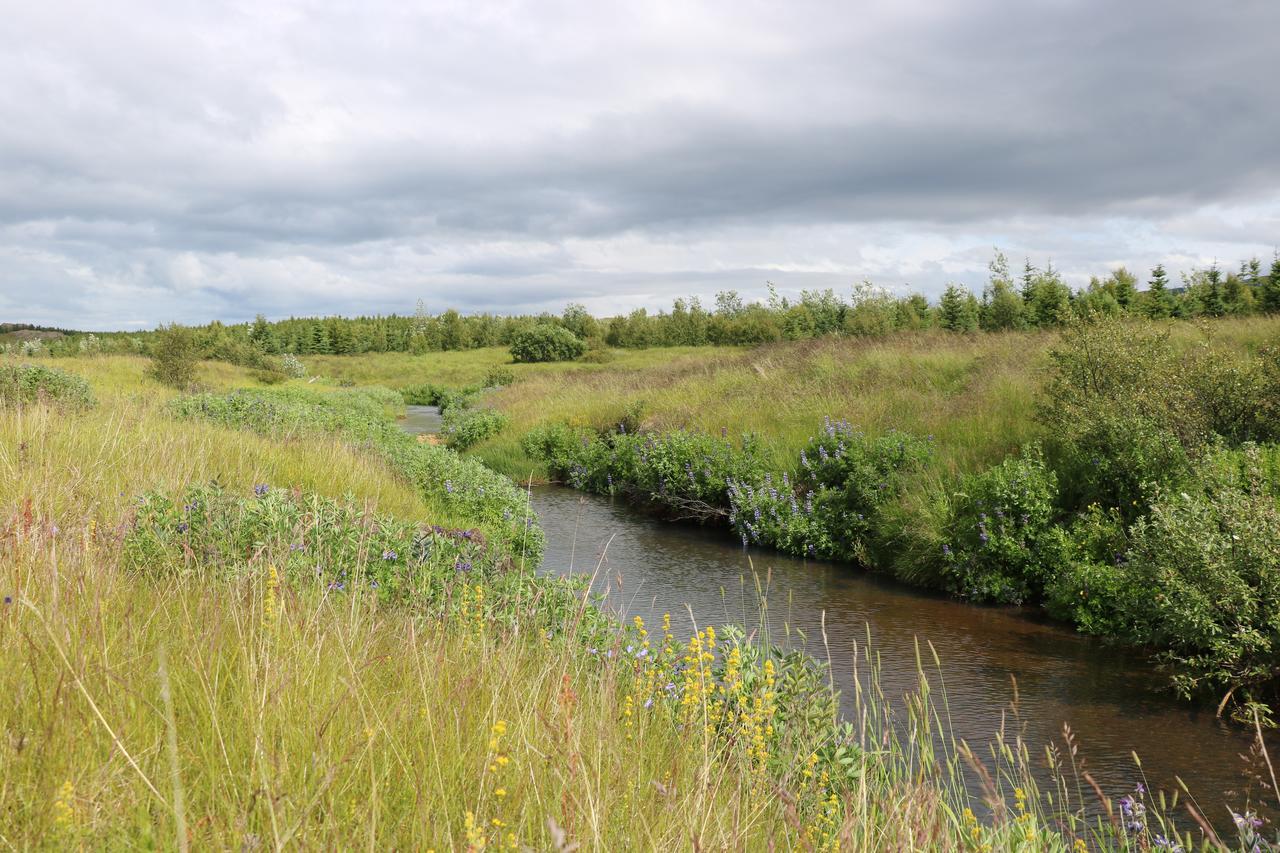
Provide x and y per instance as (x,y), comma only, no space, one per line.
(389,555)
(448,486)
(648,703)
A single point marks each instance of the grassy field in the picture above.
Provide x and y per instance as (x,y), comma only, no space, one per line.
(213,709)
(975,394)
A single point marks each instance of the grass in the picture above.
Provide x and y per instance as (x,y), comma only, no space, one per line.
(975,394)
(233,709)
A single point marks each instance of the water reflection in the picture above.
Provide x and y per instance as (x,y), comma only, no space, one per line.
(1110,697)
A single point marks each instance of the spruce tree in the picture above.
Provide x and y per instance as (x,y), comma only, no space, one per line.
(1159,302)
(1271,288)
(958,310)
(1214,304)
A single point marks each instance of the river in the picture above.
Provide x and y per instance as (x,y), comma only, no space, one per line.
(1113,700)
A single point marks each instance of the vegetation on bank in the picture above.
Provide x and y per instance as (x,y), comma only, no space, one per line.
(1150,515)
(250,664)
(462,485)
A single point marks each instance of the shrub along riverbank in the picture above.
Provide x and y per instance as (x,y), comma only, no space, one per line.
(249,663)
(1146,511)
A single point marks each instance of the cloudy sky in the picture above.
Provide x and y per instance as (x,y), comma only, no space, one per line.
(198,160)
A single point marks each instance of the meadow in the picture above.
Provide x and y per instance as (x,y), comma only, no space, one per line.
(1054,468)
(179,672)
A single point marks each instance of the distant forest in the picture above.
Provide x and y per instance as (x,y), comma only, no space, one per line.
(1031,298)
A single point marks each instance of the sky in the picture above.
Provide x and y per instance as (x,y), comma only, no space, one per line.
(190,161)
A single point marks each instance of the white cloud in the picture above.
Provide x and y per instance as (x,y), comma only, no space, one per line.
(176,161)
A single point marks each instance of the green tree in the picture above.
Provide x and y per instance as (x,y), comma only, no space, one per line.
(958,310)
(577,320)
(174,353)
(1048,299)
(1124,287)
(1214,304)
(1159,302)
(263,336)
(1002,306)
(1270,296)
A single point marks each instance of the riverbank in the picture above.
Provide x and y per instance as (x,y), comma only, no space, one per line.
(312,705)
(1066,470)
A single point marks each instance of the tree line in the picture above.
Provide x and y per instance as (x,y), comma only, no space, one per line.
(1032,298)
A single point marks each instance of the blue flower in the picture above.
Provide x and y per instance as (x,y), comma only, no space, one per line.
(261,489)
(389,555)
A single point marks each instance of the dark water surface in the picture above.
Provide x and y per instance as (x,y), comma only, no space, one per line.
(1112,699)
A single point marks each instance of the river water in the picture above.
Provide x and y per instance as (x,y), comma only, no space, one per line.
(1111,698)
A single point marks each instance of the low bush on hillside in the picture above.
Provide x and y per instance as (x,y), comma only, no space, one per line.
(545,342)
(498,377)
(209,529)
(457,481)
(463,428)
(21,384)
(446,398)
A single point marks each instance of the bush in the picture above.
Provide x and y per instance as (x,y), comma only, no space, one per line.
(1203,580)
(1128,413)
(1087,583)
(687,474)
(174,354)
(464,428)
(30,383)
(362,417)
(292,366)
(499,377)
(546,343)
(996,547)
(830,506)
(306,537)
(428,394)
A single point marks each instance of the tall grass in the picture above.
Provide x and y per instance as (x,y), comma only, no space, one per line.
(248,708)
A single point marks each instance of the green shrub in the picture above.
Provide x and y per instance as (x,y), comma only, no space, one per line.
(174,354)
(545,342)
(1087,583)
(429,394)
(363,417)
(30,383)
(1203,580)
(1128,413)
(464,428)
(1001,518)
(498,376)
(831,506)
(308,537)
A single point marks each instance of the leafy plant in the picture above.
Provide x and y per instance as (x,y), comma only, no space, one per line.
(30,383)
(174,354)
(546,342)
(1000,519)
(466,427)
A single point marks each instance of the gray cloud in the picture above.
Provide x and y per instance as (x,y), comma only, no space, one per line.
(161,161)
